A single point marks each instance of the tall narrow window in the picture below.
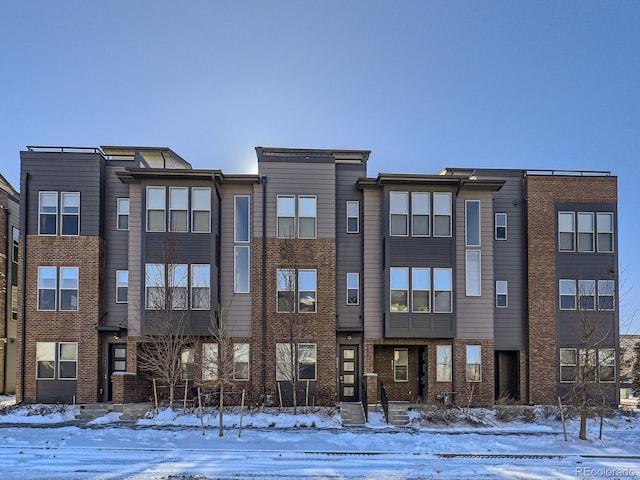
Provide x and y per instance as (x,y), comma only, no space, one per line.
(45,360)
(187,362)
(502,294)
(566,232)
(156,205)
(122,208)
(399,284)
(69,288)
(420,214)
(605,232)
(472,223)
(307,356)
(474,287)
(607,365)
(286,287)
(587,294)
(442,214)
(242,267)
(400,365)
(443,363)
(178,286)
(241,361)
(70,213)
(201,209)
(420,290)
(442,290)
(586,241)
(241,218)
(588,365)
(353,288)
(68,361)
(209,361)
(474,363)
(353,217)
(178,209)
(567,294)
(286,205)
(399,213)
(307,213)
(284,365)
(48,213)
(15,233)
(154,286)
(605,294)
(501,226)
(568,362)
(122,286)
(307,291)
(47,288)
(200,287)
(14,302)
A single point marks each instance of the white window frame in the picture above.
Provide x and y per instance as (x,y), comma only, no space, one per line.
(196,284)
(55,288)
(288,276)
(210,362)
(416,287)
(604,292)
(307,360)
(301,292)
(284,366)
(567,282)
(40,213)
(173,198)
(63,195)
(149,189)
(314,217)
(237,218)
(473,359)
(237,288)
(279,215)
(178,280)
(602,358)
(352,203)
(120,212)
(60,361)
(473,273)
(468,227)
(502,290)
(592,355)
(498,227)
(62,288)
(14,302)
(416,213)
(586,289)
(15,244)
(584,231)
(120,285)
(395,287)
(353,277)
(150,279)
(604,231)
(239,354)
(199,209)
(437,290)
(565,364)
(398,362)
(571,232)
(187,363)
(45,356)
(444,363)
(437,214)
(403,212)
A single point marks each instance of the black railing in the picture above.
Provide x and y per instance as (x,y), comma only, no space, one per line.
(365,401)
(384,400)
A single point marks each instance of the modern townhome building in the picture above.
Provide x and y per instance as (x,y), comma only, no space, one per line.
(465,285)
(9,233)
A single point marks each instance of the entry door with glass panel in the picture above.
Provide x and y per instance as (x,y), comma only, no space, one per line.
(349,391)
(117,362)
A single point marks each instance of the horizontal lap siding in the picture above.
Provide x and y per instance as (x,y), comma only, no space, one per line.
(373,274)
(136,294)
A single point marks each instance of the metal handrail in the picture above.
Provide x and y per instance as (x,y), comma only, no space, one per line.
(384,400)
(365,401)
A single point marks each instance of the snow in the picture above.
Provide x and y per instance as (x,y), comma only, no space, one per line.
(42,441)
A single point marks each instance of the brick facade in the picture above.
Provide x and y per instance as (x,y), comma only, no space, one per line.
(5,289)
(476,393)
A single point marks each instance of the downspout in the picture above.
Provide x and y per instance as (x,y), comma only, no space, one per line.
(7,312)
(453,282)
(23,323)
(263,180)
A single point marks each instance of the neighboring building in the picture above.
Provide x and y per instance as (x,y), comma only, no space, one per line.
(628,359)
(9,252)
(466,284)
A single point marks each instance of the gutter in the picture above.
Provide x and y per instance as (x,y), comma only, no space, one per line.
(7,312)
(263,180)
(23,323)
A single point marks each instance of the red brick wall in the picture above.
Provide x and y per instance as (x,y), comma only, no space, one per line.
(479,394)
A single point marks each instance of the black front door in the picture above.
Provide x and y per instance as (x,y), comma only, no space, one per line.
(349,391)
(117,363)
(422,372)
(507,375)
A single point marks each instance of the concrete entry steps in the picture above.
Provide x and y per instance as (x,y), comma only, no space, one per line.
(130,411)
(399,413)
(352,413)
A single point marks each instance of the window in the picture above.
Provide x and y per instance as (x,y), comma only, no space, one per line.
(474,363)
(122,286)
(605,294)
(283,362)
(286,205)
(420,290)
(399,289)
(307,355)
(201,210)
(566,232)
(353,288)
(209,361)
(154,286)
(178,209)
(443,363)
(472,223)
(241,361)
(607,365)
(16,244)
(45,360)
(14,302)
(200,287)
(588,365)
(307,216)
(67,361)
(441,214)
(399,213)
(48,213)
(47,288)
(501,226)
(242,267)
(307,291)
(286,287)
(122,213)
(179,286)
(70,213)
(69,288)
(420,211)
(567,294)
(568,362)
(587,294)
(400,365)
(156,204)
(442,290)
(474,287)
(501,294)
(585,232)
(353,217)
(605,232)
(187,362)
(241,218)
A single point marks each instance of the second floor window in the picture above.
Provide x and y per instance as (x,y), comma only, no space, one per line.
(443,290)
(420,290)
(156,205)
(16,244)
(353,217)
(399,287)
(58,288)
(122,286)
(178,209)
(287,301)
(69,288)
(48,213)
(70,213)
(307,291)
(501,226)
(122,208)
(200,287)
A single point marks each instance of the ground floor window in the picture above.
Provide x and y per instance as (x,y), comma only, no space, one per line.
(474,363)
(595,364)
(568,362)
(187,362)
(400,365)
(241,361)
(443,360)
(56,360)
(306,361)
(209,361)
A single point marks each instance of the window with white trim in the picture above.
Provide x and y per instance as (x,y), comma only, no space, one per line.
(241,209)
(285,288)
(473,274)
(284,370)
(399,289)
(568,363)
(122,286)
(587,294)
(566,232)
(443,363)
(472,223)
(15,233)
(353,288)
(187,363)
(47,213)
(122,214)
(420,290)
(399,214)
(307,216)
(586,229)
(502,300)
(70,213)
(68,361)
(442,212)
(154,286)
(47,288)
(69,288)
(307,291)
(201,209)
(420,214)
(14,302)
(156,206)
(443,290)
(241,361)
(178,285)
(606,290)
(474,363)
(210,361)
(353,216)
(400,365)
(307,358)
(501,226)
(200,286)
(286,213)
(242,269)
(45,360)
(567,294)
(604,221)
(588,363)
(607,365)
(178,209)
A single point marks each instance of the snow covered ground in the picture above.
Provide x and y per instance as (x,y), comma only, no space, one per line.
(36,444)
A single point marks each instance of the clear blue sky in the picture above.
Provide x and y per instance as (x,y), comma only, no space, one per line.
(424,84)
